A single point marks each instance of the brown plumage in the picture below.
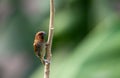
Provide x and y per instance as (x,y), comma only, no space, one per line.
(39,45)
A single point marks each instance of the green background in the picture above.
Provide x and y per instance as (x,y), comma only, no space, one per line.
(86,40)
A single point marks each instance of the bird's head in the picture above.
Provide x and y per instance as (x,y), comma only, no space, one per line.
(40,35)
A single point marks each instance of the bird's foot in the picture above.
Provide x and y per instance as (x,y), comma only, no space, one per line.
(46,61)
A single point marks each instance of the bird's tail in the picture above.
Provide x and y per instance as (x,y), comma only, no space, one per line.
(42,60)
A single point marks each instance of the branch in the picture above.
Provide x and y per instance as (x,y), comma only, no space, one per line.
(49,42)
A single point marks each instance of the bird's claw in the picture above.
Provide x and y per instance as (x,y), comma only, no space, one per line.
(46,61)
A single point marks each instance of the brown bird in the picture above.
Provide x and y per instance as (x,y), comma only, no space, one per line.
(39,45)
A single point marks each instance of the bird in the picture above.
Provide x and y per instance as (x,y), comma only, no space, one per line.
(39,45)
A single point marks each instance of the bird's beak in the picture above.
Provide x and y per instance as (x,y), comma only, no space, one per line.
(44,34)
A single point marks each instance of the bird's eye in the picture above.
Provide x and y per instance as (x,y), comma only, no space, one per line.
(40,34)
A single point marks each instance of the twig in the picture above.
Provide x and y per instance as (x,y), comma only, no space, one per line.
(49,42)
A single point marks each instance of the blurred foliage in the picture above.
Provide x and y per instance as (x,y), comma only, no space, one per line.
(86,40)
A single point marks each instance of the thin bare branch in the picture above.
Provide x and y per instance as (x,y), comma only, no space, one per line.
(49,42)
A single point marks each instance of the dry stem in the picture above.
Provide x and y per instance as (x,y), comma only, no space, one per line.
(49,42)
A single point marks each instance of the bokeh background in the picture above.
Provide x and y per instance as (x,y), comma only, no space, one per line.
(86,41)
